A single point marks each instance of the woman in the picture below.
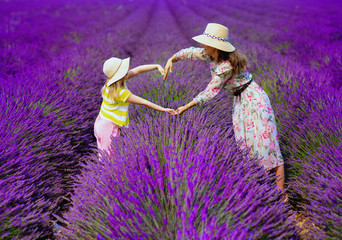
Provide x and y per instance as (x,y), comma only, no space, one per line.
(253,117)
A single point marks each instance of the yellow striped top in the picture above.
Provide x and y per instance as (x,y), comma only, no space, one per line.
(117,110)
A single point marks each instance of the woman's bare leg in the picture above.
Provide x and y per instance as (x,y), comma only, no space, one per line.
(280,173)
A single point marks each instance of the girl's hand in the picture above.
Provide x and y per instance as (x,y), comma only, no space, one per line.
(168,67)
(160,69)
(170,111)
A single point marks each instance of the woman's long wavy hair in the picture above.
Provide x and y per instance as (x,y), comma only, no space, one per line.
(238,60)
(114,89)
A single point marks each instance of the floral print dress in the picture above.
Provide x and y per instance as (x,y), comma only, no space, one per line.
(253,117)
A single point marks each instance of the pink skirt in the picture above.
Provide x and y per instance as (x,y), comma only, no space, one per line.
(104,130)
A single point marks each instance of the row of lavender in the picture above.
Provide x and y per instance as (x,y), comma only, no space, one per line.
(49,102)
(175,178)
(306,97)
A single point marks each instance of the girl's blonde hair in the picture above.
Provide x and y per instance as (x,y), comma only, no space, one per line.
(114,89)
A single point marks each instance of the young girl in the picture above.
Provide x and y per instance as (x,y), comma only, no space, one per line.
(253,117)
(116,99)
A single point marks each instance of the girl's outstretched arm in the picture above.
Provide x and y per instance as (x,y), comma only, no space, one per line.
(144,68)
(141,101)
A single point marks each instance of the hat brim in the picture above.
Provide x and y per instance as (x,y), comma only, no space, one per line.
(221,45)
(124,67)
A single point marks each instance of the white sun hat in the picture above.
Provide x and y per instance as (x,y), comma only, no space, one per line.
(115,69)
(215,35)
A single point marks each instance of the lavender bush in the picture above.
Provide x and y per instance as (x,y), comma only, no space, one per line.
(322,187)
(171,181)
(36,148)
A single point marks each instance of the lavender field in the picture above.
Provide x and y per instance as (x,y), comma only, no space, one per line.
(168,177)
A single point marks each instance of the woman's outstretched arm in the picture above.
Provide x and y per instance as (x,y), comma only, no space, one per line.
(209,93)
(190,53)
(168,66)
(213,88)
(186,107)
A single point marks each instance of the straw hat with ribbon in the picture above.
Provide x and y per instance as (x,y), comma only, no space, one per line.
(215,35)
(115,69)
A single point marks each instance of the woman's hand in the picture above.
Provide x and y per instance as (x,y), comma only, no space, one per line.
(186,107)
(168,67)
(181,110)
(160,69)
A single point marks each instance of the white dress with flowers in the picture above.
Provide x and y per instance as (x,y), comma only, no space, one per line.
(253,117)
